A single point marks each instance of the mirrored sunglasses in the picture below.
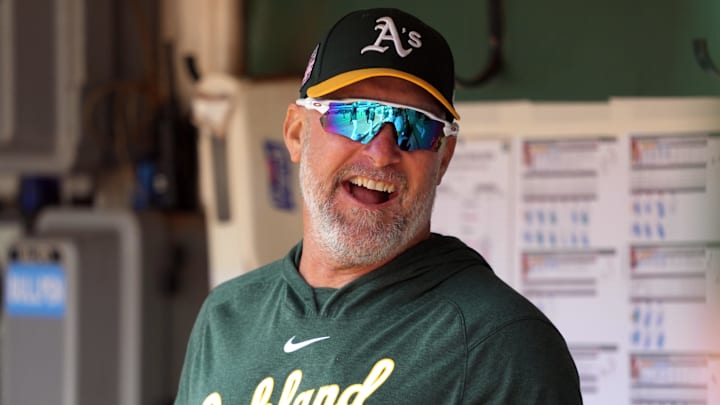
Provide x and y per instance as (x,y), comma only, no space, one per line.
(361,121)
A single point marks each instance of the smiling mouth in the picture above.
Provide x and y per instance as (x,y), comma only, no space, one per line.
(368,191)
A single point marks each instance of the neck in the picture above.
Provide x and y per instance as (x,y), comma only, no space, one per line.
(320,270)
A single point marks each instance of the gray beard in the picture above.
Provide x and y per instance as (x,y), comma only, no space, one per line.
(360,237)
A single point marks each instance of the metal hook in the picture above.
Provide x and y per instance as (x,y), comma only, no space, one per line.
(702,55)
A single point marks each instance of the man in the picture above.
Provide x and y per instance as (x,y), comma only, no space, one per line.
(371,308)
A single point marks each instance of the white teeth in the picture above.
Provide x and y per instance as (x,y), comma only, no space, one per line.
(372,184)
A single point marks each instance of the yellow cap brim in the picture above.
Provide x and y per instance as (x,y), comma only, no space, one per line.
(344,79)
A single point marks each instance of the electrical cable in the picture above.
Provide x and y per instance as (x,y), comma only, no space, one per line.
(495,59)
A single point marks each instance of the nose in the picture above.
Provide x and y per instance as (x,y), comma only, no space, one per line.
(383,149)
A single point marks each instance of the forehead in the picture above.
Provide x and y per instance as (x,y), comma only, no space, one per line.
(393,90)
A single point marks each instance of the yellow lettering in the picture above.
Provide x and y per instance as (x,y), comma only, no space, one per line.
(348,393)
(304,398)
(375,379)
(263,392)
(292,383)
(213,399)
(327,395)
(355,394)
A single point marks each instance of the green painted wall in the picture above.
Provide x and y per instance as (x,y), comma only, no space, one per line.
(571,50)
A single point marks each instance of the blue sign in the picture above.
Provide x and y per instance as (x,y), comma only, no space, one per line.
(35,290)
(279,167)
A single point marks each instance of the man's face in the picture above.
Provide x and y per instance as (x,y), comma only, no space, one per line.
(364,204)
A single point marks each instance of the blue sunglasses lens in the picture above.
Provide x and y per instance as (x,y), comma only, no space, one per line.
(362,120)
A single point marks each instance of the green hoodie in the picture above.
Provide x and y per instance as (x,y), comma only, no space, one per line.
(433,326)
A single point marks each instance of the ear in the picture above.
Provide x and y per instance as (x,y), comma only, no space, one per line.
(447,150)
(293,130)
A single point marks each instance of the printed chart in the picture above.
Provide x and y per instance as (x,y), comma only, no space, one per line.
(474,201)
(616,238)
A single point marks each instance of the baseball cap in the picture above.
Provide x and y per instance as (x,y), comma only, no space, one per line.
(382,42)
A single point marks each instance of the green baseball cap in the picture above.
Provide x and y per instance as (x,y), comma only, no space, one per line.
(382,42)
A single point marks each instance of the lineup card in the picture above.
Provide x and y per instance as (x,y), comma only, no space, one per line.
(675,186)
(674,323)
(474,200)
(674,266)
(570,234)
(570,249)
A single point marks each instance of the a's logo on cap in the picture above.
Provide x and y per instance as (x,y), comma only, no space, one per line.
(389,32)
(311,63)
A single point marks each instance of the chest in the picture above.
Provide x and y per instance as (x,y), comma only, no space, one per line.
(409,355)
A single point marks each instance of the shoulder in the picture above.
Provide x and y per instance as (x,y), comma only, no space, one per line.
(485,302)
(533,366)
(529,358)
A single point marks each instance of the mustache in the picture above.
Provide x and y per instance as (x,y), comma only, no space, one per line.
(388,175)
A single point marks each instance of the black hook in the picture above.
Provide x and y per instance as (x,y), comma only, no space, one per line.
(495,59)
(191,67)
(702,55)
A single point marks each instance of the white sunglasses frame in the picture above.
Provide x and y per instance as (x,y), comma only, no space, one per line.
(323,105)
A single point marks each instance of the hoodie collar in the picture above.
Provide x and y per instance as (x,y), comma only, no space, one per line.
(427,263)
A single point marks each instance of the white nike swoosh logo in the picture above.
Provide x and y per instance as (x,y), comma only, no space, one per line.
(291,346)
